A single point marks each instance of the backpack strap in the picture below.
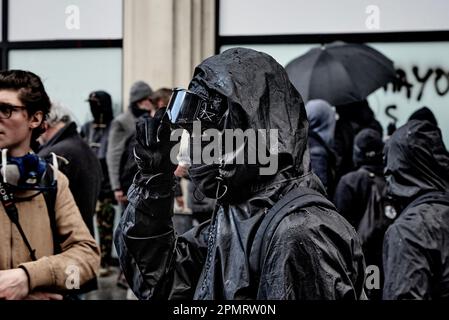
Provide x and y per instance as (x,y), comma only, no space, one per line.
(296,199)
(50,201)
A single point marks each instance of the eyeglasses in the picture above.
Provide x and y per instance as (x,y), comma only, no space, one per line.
(7,109)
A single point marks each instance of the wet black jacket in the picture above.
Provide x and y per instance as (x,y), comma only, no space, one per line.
(416,255)
(353,192)
(314,253)
(354,188)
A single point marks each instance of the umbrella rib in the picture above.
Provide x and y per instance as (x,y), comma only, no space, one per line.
(350,77)
(311,74)
(320,56)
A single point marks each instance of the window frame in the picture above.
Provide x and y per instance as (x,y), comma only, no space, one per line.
(6,46)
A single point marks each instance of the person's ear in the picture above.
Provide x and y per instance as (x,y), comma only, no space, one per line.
(36,119)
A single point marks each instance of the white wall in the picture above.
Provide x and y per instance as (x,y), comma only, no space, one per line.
(31,20)
(268,17)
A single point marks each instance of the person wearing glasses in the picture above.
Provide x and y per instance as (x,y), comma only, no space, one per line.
(46,250)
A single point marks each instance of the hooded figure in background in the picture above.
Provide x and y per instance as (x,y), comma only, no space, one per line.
(353,117)
(322,119)
(123,127)
(353,189)
(272,236)
(96,133)
(415,255)
(360,197)
(424,114)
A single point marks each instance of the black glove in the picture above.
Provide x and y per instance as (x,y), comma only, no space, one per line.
(153,145)
(151,194)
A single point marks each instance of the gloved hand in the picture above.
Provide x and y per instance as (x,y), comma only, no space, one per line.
(150,196)
(153,145)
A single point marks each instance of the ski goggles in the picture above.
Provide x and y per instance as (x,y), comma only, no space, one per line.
(185,107)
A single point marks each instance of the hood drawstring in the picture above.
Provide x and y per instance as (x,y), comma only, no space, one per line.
(221,183)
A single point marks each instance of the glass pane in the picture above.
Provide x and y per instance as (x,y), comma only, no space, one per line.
(268,17)
(31,20)
(69,75)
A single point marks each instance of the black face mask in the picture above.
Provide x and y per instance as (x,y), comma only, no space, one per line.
(97,112)
(137,112)
(205,178)
(101,107)
(226,181)
(226,184)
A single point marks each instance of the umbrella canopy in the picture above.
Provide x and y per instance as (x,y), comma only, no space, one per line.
(340,73)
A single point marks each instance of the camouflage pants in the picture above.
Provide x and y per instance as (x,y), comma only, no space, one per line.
(105,222)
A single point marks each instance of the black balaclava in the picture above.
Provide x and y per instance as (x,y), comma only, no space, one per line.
(368,148)
(101,107)
(136,111)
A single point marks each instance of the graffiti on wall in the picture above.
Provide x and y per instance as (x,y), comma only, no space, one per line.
(415,84)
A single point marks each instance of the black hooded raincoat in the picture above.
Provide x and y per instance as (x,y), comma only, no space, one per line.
(314,253)
(415,252)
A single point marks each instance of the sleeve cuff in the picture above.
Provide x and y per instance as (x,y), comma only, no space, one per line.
(39,273)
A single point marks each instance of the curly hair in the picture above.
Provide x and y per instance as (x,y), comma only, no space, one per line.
(31,93)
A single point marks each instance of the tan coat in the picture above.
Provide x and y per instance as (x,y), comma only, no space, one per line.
(79,249)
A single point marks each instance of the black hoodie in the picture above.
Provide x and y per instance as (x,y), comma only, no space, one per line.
(96,133)
(313,254)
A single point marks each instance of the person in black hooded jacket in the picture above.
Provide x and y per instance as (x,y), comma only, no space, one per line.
(353,189)
(307,250)
(360,194)
(415,253)
(424,114)
(353,117)
(96,133)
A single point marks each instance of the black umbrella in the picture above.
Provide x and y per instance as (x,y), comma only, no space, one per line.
(340,72)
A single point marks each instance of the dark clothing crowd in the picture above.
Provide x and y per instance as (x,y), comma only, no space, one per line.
(344,198)
(237,254)
(347,213)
